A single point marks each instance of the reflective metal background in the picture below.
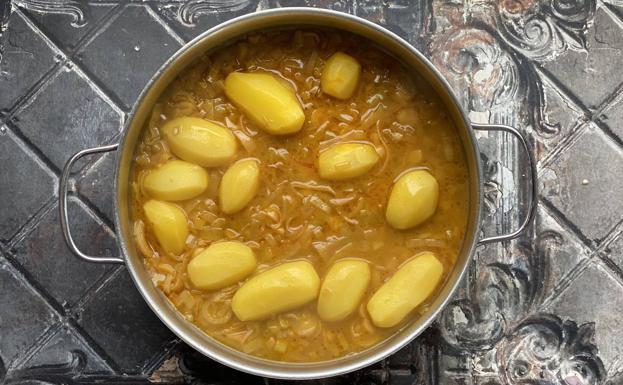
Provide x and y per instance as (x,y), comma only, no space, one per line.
(544,308)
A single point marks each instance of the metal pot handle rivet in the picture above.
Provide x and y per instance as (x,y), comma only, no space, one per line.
(532,180)
(63,192)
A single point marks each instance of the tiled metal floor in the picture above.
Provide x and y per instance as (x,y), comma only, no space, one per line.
(544,309)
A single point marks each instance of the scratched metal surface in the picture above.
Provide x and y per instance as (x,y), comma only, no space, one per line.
(543,309)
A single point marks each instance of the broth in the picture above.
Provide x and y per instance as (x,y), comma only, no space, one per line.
(295,214)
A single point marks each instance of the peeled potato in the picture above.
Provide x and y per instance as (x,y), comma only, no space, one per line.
(176,180)
(270,104)
(342,289)
(220,265)
(169,224)
(279,289)
(411,285)
(413,199)
(340,76)
(199,141)
(346,160)
(239,185)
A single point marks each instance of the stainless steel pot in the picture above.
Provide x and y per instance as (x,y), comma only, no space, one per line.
(212,40)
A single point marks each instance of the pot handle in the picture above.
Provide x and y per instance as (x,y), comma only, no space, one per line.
(62,197)
(532,180)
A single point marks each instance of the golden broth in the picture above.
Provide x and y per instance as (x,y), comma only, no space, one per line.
(295,214)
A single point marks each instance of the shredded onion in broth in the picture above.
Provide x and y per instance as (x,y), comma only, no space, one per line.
(295,214)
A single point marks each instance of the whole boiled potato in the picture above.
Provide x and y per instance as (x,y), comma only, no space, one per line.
(282,288)
(268,102)
(342,289)
(413,199)
(411,285)
(176,180)
(169,224)
(346,160)
(220,265)
(200,141)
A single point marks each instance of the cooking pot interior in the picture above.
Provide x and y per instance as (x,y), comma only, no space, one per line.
(226,34)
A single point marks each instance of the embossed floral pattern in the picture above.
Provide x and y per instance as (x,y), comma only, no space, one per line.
(73,8)
(545,349)
(484,55)
(191,10)
(491,52)
(542,30)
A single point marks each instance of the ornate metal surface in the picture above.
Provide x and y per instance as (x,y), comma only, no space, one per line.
(543,309)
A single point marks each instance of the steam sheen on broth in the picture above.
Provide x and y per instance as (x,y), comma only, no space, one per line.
(333,235)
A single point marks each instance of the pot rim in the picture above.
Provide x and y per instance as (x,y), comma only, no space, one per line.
(281,369)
